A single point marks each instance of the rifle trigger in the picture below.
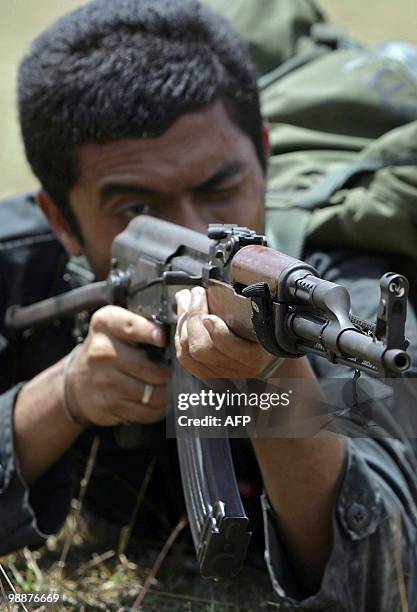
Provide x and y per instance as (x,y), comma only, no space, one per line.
(263,316)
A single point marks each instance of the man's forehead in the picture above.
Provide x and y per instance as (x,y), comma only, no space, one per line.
(196,143)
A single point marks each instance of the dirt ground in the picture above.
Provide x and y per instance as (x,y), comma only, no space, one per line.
(21,20)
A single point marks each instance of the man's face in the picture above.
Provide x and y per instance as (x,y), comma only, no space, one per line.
(202,170)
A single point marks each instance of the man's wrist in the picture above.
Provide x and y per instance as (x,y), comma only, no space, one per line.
(42,432)
(67,401)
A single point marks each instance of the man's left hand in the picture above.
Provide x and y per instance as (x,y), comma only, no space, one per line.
(207,348)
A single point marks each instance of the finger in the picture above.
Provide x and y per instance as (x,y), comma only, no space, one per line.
(195,349)
(231,344)
(198,303)
(132,412)
(127,326)
(136,363)
(234,347)
(118,387)
(181,345)
(111,353)
(204,369)
(191,304)
(199,340)
(201,347)
(183,299)
(158,398)
(199,370)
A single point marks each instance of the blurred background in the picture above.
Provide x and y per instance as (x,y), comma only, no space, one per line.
(22,20)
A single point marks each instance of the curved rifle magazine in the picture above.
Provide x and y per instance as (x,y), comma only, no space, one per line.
(216,515)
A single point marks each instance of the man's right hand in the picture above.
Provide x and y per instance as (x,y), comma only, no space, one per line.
(107,377)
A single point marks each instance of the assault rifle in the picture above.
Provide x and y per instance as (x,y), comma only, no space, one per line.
(264,296)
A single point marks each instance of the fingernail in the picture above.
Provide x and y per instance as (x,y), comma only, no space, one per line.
(197,293)
(209,325)
(183,298)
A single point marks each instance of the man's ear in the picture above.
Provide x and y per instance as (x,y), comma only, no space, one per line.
(59,224)
(265,141)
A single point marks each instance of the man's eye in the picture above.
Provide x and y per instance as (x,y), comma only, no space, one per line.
(222,192)
(133,210)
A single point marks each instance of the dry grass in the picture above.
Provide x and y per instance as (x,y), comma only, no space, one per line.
(99,579)
(147,575)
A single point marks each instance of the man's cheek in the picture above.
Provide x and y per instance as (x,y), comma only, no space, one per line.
(98,253)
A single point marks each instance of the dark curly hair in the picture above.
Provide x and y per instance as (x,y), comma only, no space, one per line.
(127,68)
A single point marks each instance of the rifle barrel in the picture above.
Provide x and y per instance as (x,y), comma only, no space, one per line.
(83,298)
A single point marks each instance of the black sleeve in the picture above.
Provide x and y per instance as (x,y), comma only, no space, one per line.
(28,517)
(374,533)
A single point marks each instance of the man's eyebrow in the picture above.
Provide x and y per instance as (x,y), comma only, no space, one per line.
(225,172)
(116,189)
(107,192)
